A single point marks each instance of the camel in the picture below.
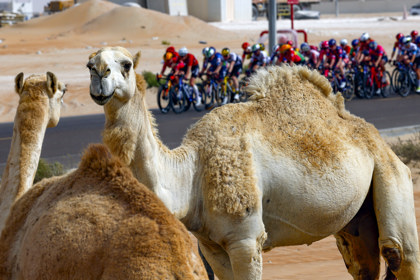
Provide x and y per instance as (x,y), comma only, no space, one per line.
(97,222)
(291,166)
(40,98)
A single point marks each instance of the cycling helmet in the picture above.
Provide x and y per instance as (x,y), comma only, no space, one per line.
(355,42)
(167,56)
(183,51)
(399,36)
(276,48)
(256,47)
(205,50)
(305,47)
(285,48)
(289,42)
(225,52)
(373,45)
(245,45)
(414,33)
(364,37)
(324,45)
(262,46)
(170,49)
(211,51)
(332,42)
(406,40)
(343,42)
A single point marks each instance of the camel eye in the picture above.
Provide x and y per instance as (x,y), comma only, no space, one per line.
(127,65)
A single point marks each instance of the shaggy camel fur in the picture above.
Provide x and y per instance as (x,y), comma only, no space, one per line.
(291,166)
(97,222)
(39,107)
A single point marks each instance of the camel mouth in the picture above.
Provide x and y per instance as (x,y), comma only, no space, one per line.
(101,99)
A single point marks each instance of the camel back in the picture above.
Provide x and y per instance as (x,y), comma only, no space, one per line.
(292,113)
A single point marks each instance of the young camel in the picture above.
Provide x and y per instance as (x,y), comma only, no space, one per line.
(39,107)
(97,222)
(291,166)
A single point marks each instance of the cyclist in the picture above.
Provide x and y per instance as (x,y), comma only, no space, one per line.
(170,59)
(215,67)
(274,56)
(396,49)
(190,68)
(325,56)
(354,50)
(345,46)
(363,46)
(378,57)
(205,59)
(289,55)
(311,55)
(258,59)
(411,56)
(233,68)
(247,51)
(339,60)
(414,34)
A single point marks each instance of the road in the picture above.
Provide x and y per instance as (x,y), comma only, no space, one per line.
(66,142)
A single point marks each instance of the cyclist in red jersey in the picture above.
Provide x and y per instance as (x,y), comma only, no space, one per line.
(363,46)
(414,35)
(397,48)
(345,46)
(325,56)
(247,51)
(377,55)
(289,55)
(189,66)
(169,60)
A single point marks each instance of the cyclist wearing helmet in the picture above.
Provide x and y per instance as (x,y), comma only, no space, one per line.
(345,46)
(397,48)
(289,55)
(325,56)
(247,51)
(354,50)
(215,64)
(364,41)
(411,56)
(258,59)
(377,55)
(170,59)
(189,67)
(414,35)
(311,55)
(233,67)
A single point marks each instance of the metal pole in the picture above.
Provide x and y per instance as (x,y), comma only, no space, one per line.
(292,15)
(272,17)
(336,8)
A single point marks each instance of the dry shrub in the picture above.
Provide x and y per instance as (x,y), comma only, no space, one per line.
(408,150)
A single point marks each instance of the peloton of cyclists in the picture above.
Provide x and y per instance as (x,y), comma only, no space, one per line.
(233,68)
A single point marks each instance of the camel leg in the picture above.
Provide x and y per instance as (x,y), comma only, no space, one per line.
(394,208)
(246,257)
(218,260)
(358,243)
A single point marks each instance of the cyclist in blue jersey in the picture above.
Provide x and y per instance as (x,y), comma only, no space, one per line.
(411,56)
(233,67)
(215,65)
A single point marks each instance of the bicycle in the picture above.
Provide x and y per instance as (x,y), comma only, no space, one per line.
(380,80)
(209,90)
(406,80)
(190,95)
(168,98)
(224,93)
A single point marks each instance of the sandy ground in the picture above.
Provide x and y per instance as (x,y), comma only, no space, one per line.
(61,43)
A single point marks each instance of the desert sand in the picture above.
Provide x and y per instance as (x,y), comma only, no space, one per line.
(62,42)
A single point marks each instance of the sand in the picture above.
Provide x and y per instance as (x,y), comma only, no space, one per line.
(62,42)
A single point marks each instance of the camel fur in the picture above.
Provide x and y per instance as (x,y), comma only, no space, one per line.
(40,98)
(291,166)
(97,222)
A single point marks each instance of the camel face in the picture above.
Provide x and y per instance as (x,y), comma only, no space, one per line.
(55,91)
(111,74)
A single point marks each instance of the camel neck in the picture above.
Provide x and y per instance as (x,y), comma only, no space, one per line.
(22,162)
(130,134)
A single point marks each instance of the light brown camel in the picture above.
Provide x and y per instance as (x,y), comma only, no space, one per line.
(39,107)
(97,222)
(291,166)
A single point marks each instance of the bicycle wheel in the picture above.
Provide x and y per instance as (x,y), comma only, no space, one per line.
(206,95)
(348,90)
(368,88)
(243,95)
(178,100)
(358,85)
(403,84)
(394,79)
(163,99)
(386,85)
(188,97)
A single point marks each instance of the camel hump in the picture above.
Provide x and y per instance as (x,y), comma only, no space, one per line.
(267,81)
(98,158)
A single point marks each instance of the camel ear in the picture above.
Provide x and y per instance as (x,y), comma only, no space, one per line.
(52,84)
(136,60)
(92,55)
(19,82)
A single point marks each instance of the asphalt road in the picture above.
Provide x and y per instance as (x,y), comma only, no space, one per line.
(66,142)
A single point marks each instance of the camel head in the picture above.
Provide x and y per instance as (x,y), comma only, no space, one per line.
(112,74)
(42,86)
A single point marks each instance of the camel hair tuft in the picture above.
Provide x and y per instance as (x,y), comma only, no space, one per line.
(97,222)
(291,166)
